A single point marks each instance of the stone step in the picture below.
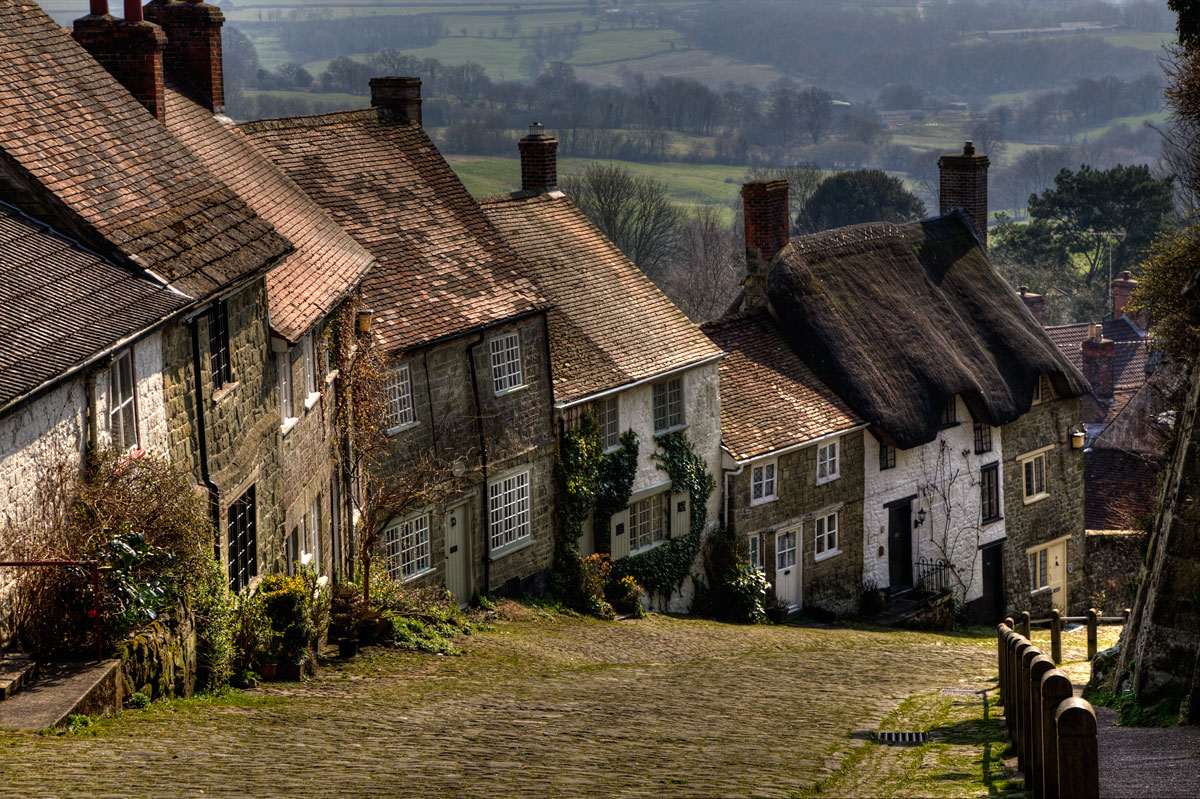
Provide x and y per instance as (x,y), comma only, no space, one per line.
(62,689)
(16,671)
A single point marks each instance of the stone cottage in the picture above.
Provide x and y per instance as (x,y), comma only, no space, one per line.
(618,349)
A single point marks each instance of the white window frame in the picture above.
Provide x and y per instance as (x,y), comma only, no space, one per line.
(1043,391)
(507,374)
(313,532)
(120,404)
(401,411)
(828,462)
(408,547)
(649,515)
(756,555)
(667,405)
(764,482)
(825,536)
(608,415)
(287,399)
(311,394)
(509,512)
(1029,463)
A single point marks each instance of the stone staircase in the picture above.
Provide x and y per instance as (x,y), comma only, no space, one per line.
(59,690)
(16,671)
(911,608)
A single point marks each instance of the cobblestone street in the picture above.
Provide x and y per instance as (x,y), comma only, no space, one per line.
(544,706)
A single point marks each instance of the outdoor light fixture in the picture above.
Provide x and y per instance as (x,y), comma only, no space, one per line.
(920,518)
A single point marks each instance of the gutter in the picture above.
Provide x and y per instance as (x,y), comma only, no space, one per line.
(483,459)
(793,447)
(643,381)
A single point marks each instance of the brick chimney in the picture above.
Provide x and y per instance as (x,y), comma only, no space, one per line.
(962,183)
(193,51)
(1098,362)
(768,230)
(130,49)
(398,100)
(539,160)
(1033,302)
(1122,288)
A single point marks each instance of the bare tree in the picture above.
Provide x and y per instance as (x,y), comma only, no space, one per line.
(706,277)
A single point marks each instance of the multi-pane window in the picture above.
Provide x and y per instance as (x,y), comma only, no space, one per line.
(310,365)
(762,483)
(827,462)
(826,536)
(756,561)
(983,437)
(989,491)
(400,398)
(122,409)
(950,413)
(508,510)
(1038,569)
(506,362)
(887,456)
(283,379)
(608,415)
(242,527)
(785,550)
(668,404)
(310,534)
(1034,473)
(218,346)
(648,522)
(407,547)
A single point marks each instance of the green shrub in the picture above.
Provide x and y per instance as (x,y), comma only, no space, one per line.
(421,619)
(625,596)
(252,633)
(285,602)
(138,701)
(216,615)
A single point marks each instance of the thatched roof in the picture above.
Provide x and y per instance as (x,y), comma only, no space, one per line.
(898,318)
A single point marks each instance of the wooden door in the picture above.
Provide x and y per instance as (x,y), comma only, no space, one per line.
(900,562)
(458,553)
(787,568)
(993,583)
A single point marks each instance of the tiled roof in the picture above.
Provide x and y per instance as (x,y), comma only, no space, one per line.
(1130,353)
(1118,488)
(327,262)
(109,172)
(611,325)
(769,398)
(63,304)
(442,269)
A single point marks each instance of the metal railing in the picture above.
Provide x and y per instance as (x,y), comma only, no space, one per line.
(93,568)
(933,575)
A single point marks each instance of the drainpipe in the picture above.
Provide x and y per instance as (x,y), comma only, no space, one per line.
(214,495)
(483,460)
(728,473)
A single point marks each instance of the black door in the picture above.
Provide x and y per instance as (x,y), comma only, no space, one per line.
(993,583)
(900,545)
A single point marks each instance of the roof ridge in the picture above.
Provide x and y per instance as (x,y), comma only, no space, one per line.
(309,120)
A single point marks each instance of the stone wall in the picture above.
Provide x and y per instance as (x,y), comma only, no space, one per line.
(1056,516)
(160,659)
(1113,560)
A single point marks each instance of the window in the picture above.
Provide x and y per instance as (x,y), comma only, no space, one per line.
(887,457)
(785,551)
(283,378)
(399,399)
(242,527)
(950,412)
(648,522)
(983,437)
(407,547)
(827,462)
(218,346)
(1033,468)
(310,534)
(506,363)
(756,561)
(508,510)
(989,491)
(827,537)
(1042,390)
(608,415)
(668,404)
(122,409)
(1038,569)
(310,366)
(762,483)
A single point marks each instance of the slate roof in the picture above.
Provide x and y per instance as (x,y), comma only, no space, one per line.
(610,325)
(1131,351)
(327,262)
(1120,488)
(442,268)
(100,162)
(896,319)
(770,399)
(63,304)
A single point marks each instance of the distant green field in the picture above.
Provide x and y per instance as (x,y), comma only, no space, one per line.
(1158,118)
(500,57)
(1138,39)
(606,45)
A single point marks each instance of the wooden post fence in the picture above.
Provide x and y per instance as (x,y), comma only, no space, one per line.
(1092,617)
(1023,629)
(1078,756)
(1056,636)
(1033,776)
(1055,689)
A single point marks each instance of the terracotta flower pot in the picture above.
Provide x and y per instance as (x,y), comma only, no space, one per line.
(267,670)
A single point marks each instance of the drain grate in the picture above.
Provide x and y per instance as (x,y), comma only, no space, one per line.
(901,737)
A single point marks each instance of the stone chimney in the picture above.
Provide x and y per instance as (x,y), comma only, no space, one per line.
(1033,302)
(962,183)
(768,230)
(193,51)
(1098,362)
(1122,288)
(130,49)
(539,160)
(398,100)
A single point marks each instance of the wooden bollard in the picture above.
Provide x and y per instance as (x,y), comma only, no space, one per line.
(1023,624)
(1001,658)
(1055,688)
(1127,614)
(1027,657)
(1056,636)
(1092,621)
(1017,647)
(1033,774)
(1078,757)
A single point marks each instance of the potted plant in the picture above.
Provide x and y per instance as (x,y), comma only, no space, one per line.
(777,609)
(873,597)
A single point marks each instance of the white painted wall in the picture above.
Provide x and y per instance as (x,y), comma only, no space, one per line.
(151,408)
(950,462)
(32,438)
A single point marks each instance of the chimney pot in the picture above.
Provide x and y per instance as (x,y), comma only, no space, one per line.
(1034,302)
(398,100)
(539,160)
(962,183)
(1122,288)
(193,51)
(768,229)
(969,148)
(98,8)
(133,11)
(131,50)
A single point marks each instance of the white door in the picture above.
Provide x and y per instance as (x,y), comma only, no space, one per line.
(458,553)
(787,568)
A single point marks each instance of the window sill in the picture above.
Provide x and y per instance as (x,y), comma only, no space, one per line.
(983,451)
(948,426)
(650,548)
(763,500)
(516,546)
(829,479)
(505,392)
(224,392)
(826,555)
(987,522)
(676,429)
(333,375)
(311,400)
(1036,498)
(400,428)
(418,575)
(288,424)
